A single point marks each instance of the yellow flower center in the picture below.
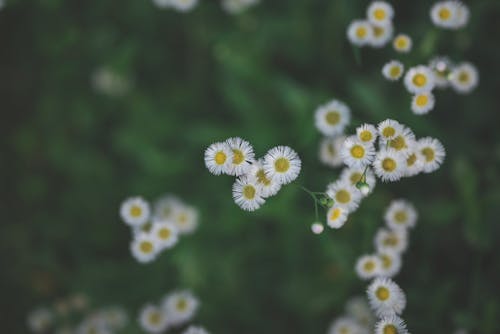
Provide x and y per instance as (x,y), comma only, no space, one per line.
(379,14)
(335,214)
(395,71)
(146,247)
(344,330)
(282,165)
(355,178)
(463,77)
(358,151)
(389,164)
(444,13)
(343,196)
(401,217)
(391,240)
(135,211)
(421,100)
(386,261)
(361,32)
(331,149)
(382,293)
(332,117)
(428,153)
(388,132)
(365,136)
(181,304)
(398,143)
(182,218)
(220,158)
(155,318)
(262,178)
(369,266)
(419,80)
(378,31)
(411,160)
(238,157)
(249,192)
(401,42)
(390,329)
(164,233)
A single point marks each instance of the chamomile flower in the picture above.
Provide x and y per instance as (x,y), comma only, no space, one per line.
(391,324)
(165,234)
(247,194)
(433,153)
(464,78)
(400,215)
(243,156)
(218,158)
(386,297)
(185,218)
(345,325)
(282,164)
(183,5)
(332,118)
(389,165)
(153,319)
(180,307)
(144,247)
(356,153)
(336,216)
(463,15)
(441,67)
(414,162)
(355,175)
(329,151)
(389,129)
(393,70)
(165,207)
(344,194)
(402,142)
(195,330)
(391,240)
(368,266)
(360,32)
(422,103)
(366,133)
(390,263)
(135,211)
(380,13)
(381,35)
(402,43)
(444,14)
(40,320)
(358,308)
(268,186)
(419,79)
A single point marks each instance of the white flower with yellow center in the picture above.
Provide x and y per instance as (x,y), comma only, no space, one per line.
(402,43)
(345,325)
(329,151)
(135,211)
(356,153)
(389,165)
(390,263)
(195,330)
(243,156)
(380,13)
(144,247)
(414,162)
(344,194)
(400,214)
(393,70)
(40,320)
(386,297)
(282,164)
(183,5)
(165,234)
(247,194)
(368,266)
(332,118)
(336,216)
(268,187)
(367,133)
(422,103)
(180,307)
(185,218)
(464,78)
(381,35)
(389,129)
(165,206)
(360,32)
(153,319)
(463,15)
(218,158)
(419,79)
(433,153)
(355,175)
(391,325)
(391,240)
(402,142)
(441,67)
(358,308)
(444,14)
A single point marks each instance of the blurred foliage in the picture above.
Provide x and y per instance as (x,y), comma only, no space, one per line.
(70,155)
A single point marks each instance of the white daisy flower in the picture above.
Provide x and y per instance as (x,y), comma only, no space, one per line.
(360,32)
(183,5)
(393,70)
(433,153)
(332,118)
(441,67)
(247,194)
(386,297)
(218,158)
(358,308)
(355,175)
(366,133)
(463,15)
(391,324)
(391,240)
(268,187)
(414,162)
(402,43)
(389,165)
(422,103)
(282,164)
(390,263)
(400,214)
(116,317)
(402,142)
(344,194)
(165,206)
(185,219)
(464,78)
(92,326)
(144,248)
(40,320)
(345,325)
(419,79)
(389,129)
(444,14)
(180,307)
(195,330)
(368,266)
(380,13)
(243,156)
(329,151)
(381,35)
(153,319)
(317,228)
(165,234)
(356,153)
(336,216)
(135,211)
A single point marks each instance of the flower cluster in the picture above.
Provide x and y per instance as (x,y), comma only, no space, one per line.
(256,179)
(175,309)
(451,14)
(156,229)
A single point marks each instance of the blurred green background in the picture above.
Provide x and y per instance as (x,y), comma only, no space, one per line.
(70,155)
